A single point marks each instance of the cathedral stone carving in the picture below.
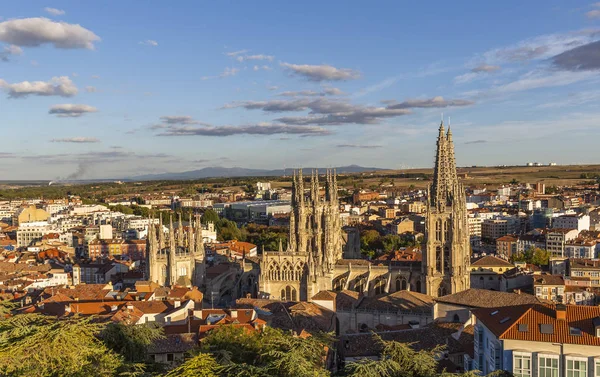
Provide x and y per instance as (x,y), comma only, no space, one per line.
(447,254)
(175,257)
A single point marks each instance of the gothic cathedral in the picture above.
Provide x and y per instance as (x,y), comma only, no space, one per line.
(176,258)
(314,247)
(447,256)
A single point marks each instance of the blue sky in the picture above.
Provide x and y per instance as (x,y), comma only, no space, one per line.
(114,89)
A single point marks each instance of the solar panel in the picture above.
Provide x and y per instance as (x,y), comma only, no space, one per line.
(523,327)
(546,328)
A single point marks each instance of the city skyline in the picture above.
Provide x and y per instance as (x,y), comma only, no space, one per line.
(99,91)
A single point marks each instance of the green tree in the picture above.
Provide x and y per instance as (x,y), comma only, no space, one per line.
(397,359)
(227,230)
(210,216)
(201,365)
(270,352)
(131,341)
(34,345)
(540,257)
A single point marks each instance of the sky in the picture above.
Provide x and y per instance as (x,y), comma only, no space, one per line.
(117,89)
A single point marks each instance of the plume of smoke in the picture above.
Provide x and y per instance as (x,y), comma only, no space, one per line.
(81,170)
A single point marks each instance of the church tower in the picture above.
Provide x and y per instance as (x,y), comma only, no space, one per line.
(447,255)
(314,244)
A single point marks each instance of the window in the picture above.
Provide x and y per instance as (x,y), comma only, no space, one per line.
(169,357)
(576,368)
(548,366)
(522,365)
(597,369)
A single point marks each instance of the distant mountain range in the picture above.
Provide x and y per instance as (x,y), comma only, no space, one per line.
(220,172)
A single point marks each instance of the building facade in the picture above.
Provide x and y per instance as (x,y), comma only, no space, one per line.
(176,257)
(314,247)
(447,255)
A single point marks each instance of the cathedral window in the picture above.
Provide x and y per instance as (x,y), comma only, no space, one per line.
(401,284)
(442,290)
(447,230)
(447,261)
(289,294)
(379,286)
(438,230)
(438,258)
(183,271)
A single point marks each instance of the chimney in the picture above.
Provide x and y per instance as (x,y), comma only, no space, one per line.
(177,303)
(234,314)
(561,312)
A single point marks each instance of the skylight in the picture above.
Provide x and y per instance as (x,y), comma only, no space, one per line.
(494,312)
(505,319)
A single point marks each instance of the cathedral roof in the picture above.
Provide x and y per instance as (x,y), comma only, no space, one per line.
(482,298)
(324,296)
(491,261)
(406,301)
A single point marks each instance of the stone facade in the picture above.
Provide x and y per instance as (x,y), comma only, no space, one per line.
(315,243)
(447,255)
(175,257)
(313,260)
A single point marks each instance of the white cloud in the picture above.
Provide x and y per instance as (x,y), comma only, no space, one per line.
(312,93)
(593,14)
(242,58)
(486,68)
(54,11)
(541,47)
(69,110)
(33,32)
(10,50)
(543,79)
(149,42)
(322,72)
(95,76)
(77,140)
(236,53)
(183,126)
(435,102)
(91,89)
(226,73)
(57,86)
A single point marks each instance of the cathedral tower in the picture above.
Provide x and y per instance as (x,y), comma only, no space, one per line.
(314,243)
(177,257)
(447,255)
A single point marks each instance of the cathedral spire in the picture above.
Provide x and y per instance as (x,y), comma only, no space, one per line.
(161,233)
(190,236)
(438,188)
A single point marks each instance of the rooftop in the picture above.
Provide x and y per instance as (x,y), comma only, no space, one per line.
(482,298)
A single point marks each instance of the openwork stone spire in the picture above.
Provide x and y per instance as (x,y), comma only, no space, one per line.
(447,257)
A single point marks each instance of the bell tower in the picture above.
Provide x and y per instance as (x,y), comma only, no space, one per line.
(447,255)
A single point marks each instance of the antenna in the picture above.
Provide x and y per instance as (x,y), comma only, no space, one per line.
(448,121)
(442,117)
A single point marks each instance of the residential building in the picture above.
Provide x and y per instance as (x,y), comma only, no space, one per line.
(507,245)
(537,340)
(492,229)
(579,221)
(581,249)
(557,238)
(549,287)
(486,272)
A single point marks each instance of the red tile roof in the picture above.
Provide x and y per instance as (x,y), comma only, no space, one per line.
(577,316)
